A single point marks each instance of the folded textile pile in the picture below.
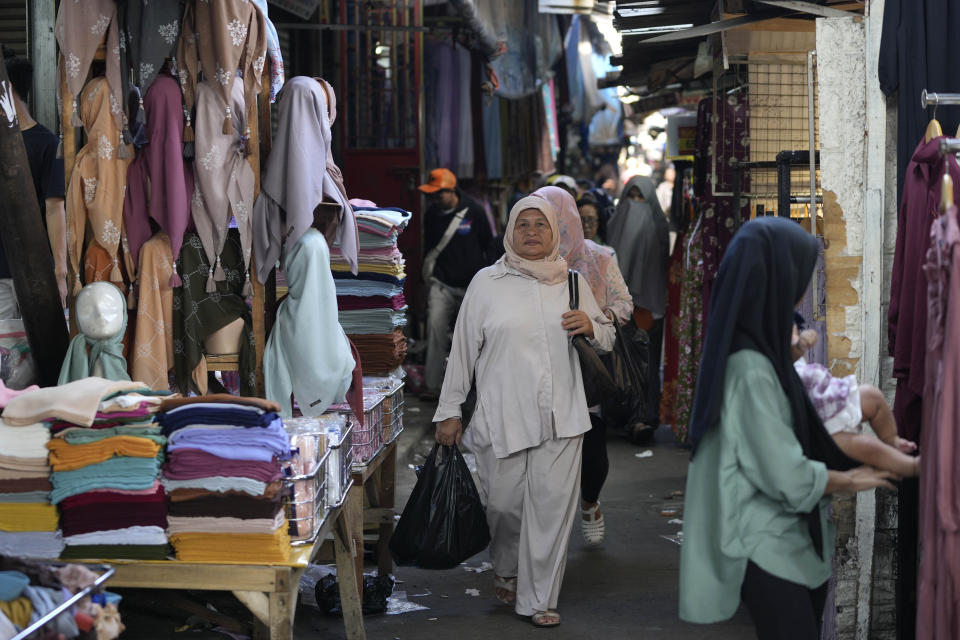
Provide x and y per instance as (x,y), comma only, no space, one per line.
(106,478)
(371,304)
(223,479)
(381,353)
(28,522)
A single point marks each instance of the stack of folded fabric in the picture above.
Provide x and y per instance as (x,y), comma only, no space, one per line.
(28,522)
(223,479)
(371,304)
(106,479)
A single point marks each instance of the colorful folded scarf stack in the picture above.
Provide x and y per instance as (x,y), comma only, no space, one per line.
(223,478)
(372,306)
(28,522)
(106,480)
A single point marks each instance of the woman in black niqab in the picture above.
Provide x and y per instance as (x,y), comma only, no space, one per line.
(763,276)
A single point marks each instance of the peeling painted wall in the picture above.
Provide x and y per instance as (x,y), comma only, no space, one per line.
(865,602)
(840,59)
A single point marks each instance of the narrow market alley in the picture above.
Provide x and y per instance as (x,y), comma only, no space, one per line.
(627,588)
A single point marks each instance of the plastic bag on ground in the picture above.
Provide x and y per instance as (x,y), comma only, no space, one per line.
(443,522)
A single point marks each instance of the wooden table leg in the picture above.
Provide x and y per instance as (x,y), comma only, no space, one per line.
(386,490)
(350,602)
(353,512)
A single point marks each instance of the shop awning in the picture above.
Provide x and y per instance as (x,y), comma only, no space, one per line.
(662,38)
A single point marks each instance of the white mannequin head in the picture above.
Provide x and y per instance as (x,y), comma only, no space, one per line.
(100,307)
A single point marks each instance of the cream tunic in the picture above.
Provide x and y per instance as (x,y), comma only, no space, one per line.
(529,385)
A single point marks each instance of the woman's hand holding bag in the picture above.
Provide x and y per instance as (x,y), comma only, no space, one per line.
(597,381)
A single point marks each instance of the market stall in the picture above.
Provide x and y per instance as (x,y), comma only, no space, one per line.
(183,214)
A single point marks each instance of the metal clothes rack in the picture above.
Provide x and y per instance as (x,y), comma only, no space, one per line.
(932,99)
(784,162)
(949,145)
(62,608)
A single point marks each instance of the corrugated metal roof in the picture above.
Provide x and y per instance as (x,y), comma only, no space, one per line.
(13,25)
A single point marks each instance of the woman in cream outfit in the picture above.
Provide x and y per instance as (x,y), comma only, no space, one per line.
(513,333)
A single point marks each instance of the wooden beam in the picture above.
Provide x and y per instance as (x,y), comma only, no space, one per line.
(43,55)
(27,247)
(807,7)
(350,600)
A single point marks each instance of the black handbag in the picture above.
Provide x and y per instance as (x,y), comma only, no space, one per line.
(598,383)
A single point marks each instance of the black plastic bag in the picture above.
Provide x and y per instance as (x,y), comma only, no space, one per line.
(376,590)
(629,363)
(443,522)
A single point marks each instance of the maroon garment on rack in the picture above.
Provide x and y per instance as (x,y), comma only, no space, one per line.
(907,314)
(938,592)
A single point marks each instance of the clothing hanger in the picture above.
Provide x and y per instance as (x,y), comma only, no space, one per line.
(934,130)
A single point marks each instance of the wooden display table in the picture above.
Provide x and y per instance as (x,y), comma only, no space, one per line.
(268,590)
(376,481)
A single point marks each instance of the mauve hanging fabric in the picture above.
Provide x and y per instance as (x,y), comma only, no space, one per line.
(159,164)
(448,103)
(907,313)
(938,593)
(464,158)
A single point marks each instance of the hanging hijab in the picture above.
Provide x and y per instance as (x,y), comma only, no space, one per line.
(552,269)
(299,174)
(225,180)
(97,184)
(590,262)
(218,39)
(109,352)
(273,50)
(81,27)
(150,33)
(161,163)
(640,234)
(315,365)
(763,275)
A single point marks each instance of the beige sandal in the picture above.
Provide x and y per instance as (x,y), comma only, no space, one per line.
(506,584)
(594,528)
(544,619)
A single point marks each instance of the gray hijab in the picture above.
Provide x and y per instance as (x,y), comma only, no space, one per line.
(640,234)
(299,174)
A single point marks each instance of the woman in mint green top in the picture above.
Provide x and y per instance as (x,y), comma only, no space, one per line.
(755,525)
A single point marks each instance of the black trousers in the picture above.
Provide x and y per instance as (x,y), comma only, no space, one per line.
(652,409)
(595,463)
(782,610)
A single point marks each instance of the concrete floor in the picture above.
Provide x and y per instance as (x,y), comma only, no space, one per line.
(627,589)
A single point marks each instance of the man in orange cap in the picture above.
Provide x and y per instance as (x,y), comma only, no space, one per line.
(457,237)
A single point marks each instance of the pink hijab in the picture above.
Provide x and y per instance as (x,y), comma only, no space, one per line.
(160,162)
(588,259)
(550,270)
